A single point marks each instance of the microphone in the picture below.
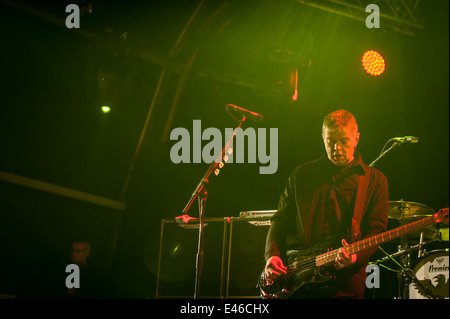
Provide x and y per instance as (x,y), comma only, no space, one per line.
(406,139)
(253,115)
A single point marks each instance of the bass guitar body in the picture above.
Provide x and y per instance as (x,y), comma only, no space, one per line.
(310,267)
(302,275)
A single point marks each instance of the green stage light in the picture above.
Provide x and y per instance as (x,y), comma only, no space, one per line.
(105,109)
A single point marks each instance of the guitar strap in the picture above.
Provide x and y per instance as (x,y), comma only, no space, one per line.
(361,192)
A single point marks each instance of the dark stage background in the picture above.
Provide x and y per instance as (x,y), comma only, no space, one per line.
(175,61)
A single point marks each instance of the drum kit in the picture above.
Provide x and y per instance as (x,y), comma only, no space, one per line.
(421,258)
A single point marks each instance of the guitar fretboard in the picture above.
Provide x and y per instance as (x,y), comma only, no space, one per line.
(329,257)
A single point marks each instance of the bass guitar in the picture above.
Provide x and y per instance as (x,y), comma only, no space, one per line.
(306,267)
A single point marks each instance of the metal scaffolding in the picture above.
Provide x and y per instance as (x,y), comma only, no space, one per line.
(397,15)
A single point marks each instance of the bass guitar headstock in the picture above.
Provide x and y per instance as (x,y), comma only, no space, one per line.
(441,216)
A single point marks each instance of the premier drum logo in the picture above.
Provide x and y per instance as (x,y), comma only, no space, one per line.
(432,277)
(439,267)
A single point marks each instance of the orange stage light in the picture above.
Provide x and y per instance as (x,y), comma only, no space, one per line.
(373,63)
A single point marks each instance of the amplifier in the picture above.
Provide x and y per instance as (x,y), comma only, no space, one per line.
(178,255)
(247,242)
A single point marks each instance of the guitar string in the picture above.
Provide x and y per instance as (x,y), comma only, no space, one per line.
(309,262)
(299,267)
(306,263)
(398,232)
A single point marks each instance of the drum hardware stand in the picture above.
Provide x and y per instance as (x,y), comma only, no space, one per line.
(406,259)
(420,253)
(400,252)
(201,193)
(391,256)
(405,274)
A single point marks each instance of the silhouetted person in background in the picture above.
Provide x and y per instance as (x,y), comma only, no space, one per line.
(48,279)
(93,281)
(79,256)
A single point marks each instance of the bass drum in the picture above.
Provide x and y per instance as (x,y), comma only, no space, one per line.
(432,272)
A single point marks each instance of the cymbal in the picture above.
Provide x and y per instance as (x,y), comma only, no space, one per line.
(405,210)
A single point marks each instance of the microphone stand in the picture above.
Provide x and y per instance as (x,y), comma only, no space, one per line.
(407,273)
(201,193)
(382,154)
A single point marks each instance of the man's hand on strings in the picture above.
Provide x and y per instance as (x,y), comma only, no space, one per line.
(343,259)
(274,268)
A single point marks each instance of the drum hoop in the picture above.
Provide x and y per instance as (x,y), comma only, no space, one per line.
(424,259)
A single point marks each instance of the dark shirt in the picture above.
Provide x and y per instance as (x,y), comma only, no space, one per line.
(318,201)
